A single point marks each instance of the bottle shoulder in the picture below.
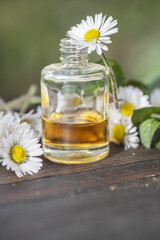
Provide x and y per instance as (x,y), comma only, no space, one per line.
(57,72)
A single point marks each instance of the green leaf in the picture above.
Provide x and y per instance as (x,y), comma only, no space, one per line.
(90,88)
(118,72)
(147,130)
(140,115)
(137,84)
(69,88)
(158,145)
(152,80)
(156,139)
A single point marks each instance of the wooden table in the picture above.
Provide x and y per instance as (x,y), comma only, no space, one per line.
(116,198)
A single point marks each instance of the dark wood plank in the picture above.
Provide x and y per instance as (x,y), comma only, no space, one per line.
(57,185)
(129,212)
(117,157)
(116,198)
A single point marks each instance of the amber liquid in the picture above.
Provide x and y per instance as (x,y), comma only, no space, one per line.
(83,129)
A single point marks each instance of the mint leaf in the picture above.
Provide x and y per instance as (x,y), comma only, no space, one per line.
(137,84)
(87,90)
(156,139)
(69,88)
(158,145)
(140,115)
(147,130)
(91,87)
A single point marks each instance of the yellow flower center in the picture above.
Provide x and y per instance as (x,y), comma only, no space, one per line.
(118,132)
(127,109)
(18,154)
(26,121)
(94,33)
(77,101)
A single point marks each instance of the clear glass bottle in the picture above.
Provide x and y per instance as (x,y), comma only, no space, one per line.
(75,99)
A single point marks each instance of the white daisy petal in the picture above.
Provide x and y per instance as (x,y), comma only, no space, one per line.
(103,47)
(106,40)
(99,21)
(8,121)
(98,49)
(103,20)
(106,24)
(108,27)
(89,22)
(90,49)
(33,119)
(155,97)
(36,152)
(96,21)
(110,32)
(85,25)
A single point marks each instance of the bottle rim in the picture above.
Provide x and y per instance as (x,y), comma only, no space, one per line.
(69,44)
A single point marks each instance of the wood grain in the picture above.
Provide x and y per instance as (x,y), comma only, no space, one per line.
(60,179)
(117,157)
(81,206)
(116,198)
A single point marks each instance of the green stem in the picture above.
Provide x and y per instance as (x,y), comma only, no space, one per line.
(155,115)
(113,80)
(4,106)
(31,92)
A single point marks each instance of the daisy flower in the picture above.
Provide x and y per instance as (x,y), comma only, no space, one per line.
(20,151)
(122,129)
(131,98)
(93,33)
(34,119)
(155,97)
(8,122)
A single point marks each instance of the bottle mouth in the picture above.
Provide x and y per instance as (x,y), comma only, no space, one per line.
(67,45)
(72,55)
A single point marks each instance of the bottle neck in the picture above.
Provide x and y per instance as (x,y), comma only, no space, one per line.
(73,56)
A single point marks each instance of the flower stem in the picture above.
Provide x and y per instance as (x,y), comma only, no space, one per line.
(31,92)
(17,104)
(4,106)
(113,80)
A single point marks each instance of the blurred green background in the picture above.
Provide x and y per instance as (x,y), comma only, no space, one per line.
(31,31)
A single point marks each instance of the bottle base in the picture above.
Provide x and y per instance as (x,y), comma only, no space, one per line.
(75,156)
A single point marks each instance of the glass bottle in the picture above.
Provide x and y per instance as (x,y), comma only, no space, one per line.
(75,99)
